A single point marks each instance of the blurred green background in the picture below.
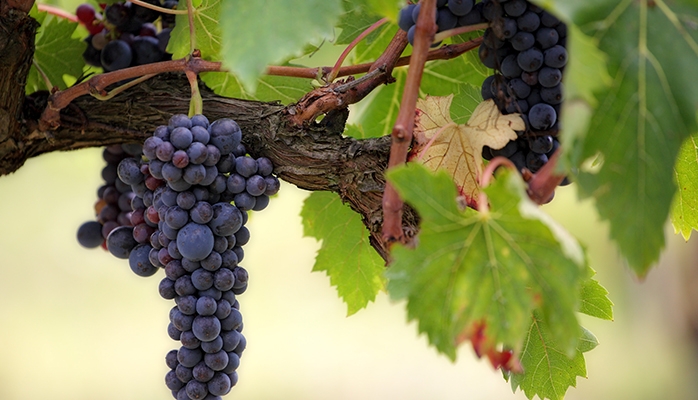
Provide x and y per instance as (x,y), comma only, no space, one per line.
(79,325)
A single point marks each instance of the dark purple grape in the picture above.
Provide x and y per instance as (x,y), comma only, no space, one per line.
(189,341)
(139,261)
(264,166)
(201,372)
(90,234)
(542,116)
(177,121)
(505,29)
(197,152)
(206,328)
(549,77)
(552,95)
(515,8)
(546,37)
(556,57)
(120,242)
(146,50)
(195,241)
(226,220)
(216,361)
(510,67)
(219,385)
(165,151)
(176,217)
(530,60)
(541,144)
(186,200)
(405,20)
(202,279)
(213,346)
(535,161)
(261,202)
(201,213)
(189,357)
(519,88)
(244,201)
(549,20)
(225,134)
(116,55)
(194,174)
(528,22)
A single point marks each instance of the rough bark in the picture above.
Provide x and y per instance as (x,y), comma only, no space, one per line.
(314,157)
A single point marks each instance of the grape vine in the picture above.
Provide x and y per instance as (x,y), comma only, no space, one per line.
(414,122)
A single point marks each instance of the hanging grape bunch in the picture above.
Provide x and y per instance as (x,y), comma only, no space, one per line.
(525,45)
(182,220)
(114,199)
(126,34)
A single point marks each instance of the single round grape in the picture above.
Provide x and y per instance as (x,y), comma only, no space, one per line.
(216,361)
(541,144)
(196,390)
(236,183)
(171,359)
(179,120)
(180,159)
(206,305)
(256,185)
(189,357)
(528,22)
(194,174)
(187,304)
(231,339)
(166,289)
(473,17)
(213,346)
(556,57)
(225,134)
(244,201)
(146,50)
(197,152)
(552,95)
(176,217)
(173,252)
(139,261)
(535,161)
(530,60)
(261,202)
(199,120)
(245,166)
(214,156)
(129,171)
(85,13)
(195,241)
(405,20)
(201,372)
(445,19)
(240,253)
(519,88)
(184,286)
(542,116)
(171,173)
(214,260)
(546,37)
(90,234)
(186,200)
(549,77)
(223,279)
(232,321)
(181,137)
(226,220)
(515,8)
(189,341)
(172,382)
(183,373)
(202,279)
(173,332)
(206,328)
(174,270)
(241,346)
(115,55)
(229,259)
(182,321)
(548,19)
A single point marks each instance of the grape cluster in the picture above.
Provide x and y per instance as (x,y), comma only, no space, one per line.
(126,34)
(113,207)
(526,46)
(450,14)
(183,221)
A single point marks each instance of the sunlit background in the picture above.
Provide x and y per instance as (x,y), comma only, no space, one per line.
(78,324)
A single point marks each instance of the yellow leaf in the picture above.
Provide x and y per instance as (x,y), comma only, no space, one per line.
(442,144)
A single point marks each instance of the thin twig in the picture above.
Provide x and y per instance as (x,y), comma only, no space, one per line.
(122,88)
(192,30)
(159,9)
(57,12)
(542,184)
(402,130)
(44,77)
(333,74)
(50,118)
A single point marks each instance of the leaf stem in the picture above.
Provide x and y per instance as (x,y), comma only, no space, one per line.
(459,31)
(192,30)
(44,77)
(333,74)
(196,104)
(402,130)
(159,9)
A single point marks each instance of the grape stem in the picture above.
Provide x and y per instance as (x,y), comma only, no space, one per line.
(333,74)
(196,104)
(459,31)
(541,186)
(162,10)
(50,118)
(401,136)
(122,88)
(43,75)
(485,178)
(57,12)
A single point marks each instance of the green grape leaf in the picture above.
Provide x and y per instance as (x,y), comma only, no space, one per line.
(269,88)
(354,21)
(637,130)
(259,33)
(208,19)
(346,255)
(548,370)
(368,51)
(57,54)
(594,300)
(495,266)
(684,210)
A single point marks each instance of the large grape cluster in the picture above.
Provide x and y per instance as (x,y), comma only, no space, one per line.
(526,46)
(450,14)
(113,206)
(183,221)
(126,34)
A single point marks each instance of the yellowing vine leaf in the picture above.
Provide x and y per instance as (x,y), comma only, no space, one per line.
(440,143)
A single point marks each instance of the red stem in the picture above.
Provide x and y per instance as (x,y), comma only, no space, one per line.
(402,131)
(351,46)
(57,12)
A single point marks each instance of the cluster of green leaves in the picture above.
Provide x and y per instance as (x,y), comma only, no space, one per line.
(631,103)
